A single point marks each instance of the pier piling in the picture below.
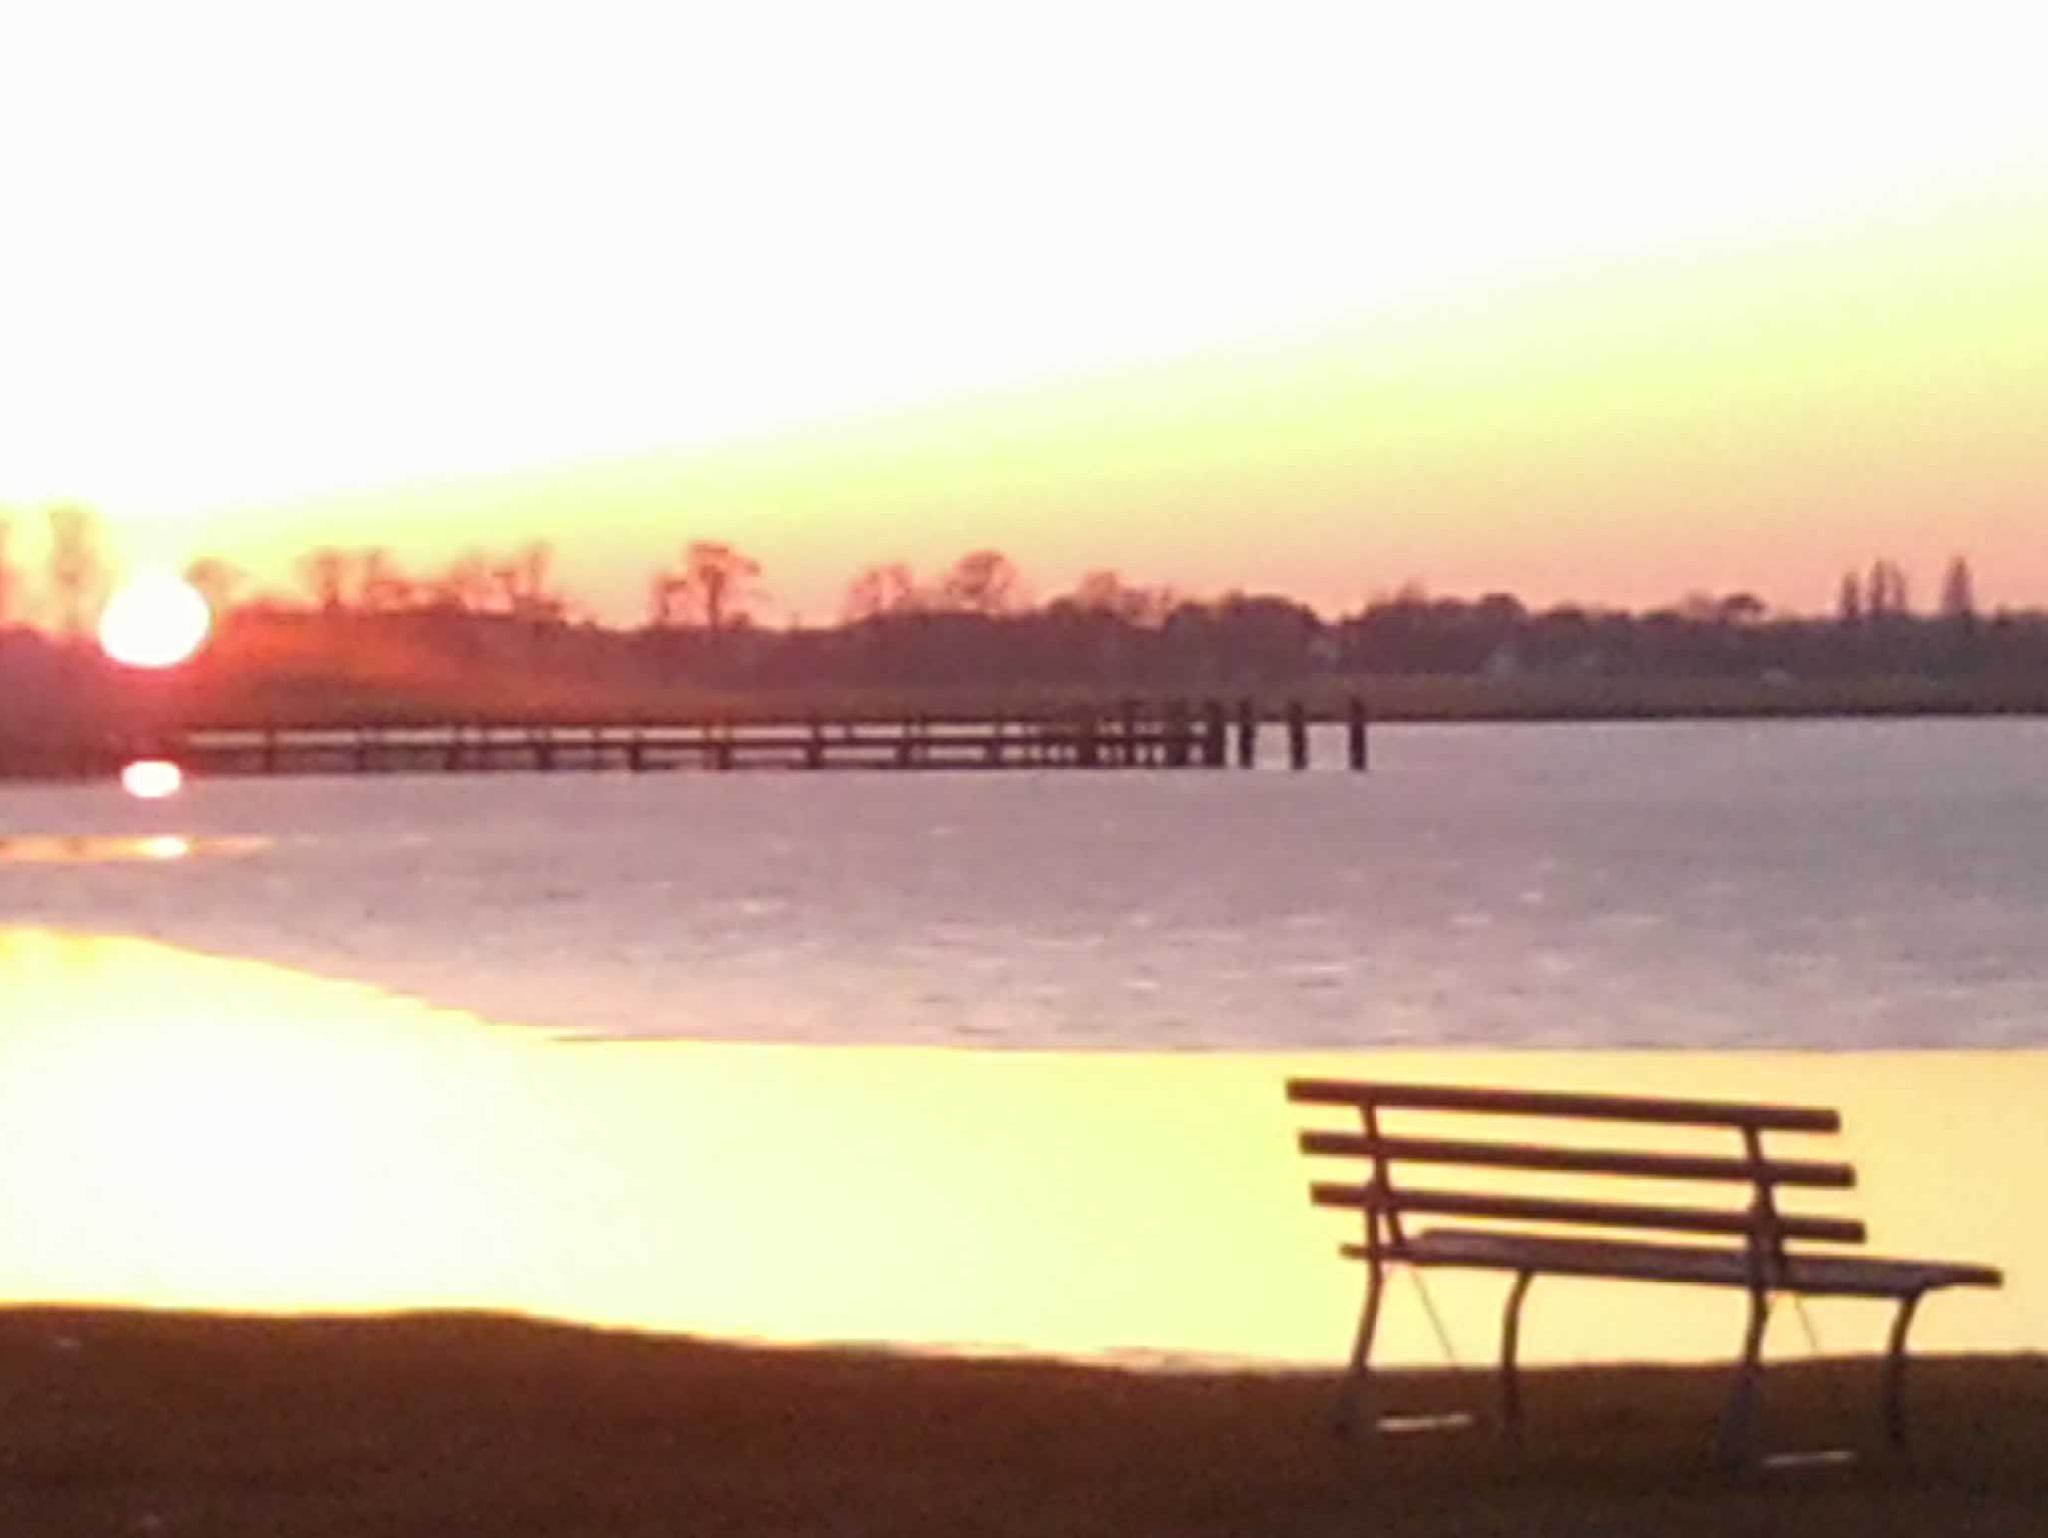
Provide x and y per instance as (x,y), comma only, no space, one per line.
(1215,739)
(1178,740)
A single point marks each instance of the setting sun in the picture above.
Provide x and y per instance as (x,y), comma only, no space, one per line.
(154,620)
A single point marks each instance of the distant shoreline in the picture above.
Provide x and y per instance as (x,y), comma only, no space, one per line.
(1388,698)
(104,717)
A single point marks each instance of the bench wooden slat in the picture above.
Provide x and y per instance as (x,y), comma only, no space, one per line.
(1700,1113)
(1547,1209)
(1581,1161)
(1843,1275)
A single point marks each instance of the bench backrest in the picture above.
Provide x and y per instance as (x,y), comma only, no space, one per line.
(1385,1200)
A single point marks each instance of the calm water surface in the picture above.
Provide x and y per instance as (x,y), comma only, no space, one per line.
(255,1051)
(1840,885)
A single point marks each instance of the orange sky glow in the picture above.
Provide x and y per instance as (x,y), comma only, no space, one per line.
(1602,304)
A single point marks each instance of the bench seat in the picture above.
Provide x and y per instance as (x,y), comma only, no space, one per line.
(1857,1276)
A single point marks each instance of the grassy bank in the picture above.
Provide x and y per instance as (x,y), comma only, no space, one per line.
(133,1423)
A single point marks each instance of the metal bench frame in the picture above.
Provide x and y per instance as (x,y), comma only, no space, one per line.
(1763,1264)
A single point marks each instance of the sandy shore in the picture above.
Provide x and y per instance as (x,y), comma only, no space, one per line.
(447,1424)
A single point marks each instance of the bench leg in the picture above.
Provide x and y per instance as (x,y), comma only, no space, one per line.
(1895,1373)
(1353,1393)
(1510,1382)
(1738,1423)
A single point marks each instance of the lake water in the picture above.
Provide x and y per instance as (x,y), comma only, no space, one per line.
(1839,885)
(641,1050)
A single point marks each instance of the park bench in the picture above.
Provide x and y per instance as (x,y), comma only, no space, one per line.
(1525,1227)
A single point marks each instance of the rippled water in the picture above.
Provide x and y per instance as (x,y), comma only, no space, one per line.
(1716,885)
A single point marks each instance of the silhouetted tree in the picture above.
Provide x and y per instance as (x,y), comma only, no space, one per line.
(1959,614)
(465,585)
(215,580)
(324,573)
(1106,592)
(1959,593)
(526,586)
(1885,596)
(9,582)
(975,632)
(1849,601)
(889,588)
(712,588)
(982,582)
(664,599)
(77,570)
(383,588)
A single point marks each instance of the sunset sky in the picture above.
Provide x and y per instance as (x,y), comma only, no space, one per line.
(1605,302)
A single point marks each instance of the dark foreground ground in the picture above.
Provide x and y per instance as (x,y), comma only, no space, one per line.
(165,1424)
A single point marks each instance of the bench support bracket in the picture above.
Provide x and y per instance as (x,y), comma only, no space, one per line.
(1510,1382)
(1353,1392)
(1895,1372)
(1738,1423)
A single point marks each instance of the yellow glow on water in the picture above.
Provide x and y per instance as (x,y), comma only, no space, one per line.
(182,1130)
(94,849)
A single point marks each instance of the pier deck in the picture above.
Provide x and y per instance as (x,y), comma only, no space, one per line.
(1176,736)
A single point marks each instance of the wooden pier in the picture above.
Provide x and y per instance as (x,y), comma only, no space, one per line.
(1176,735)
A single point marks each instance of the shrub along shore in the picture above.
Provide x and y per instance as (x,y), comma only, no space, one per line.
(135,1422)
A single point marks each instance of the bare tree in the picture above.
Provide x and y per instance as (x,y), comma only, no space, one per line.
(525,583)
(1885,596)
(890,588)
(215,580)
(714,587)
(664,599)
(324,573)
(982,582)
(1105,592)
(1849,601)
(9,581)
(1959,593)
(77,569)
(466,584)
(384,587)
(1740,609)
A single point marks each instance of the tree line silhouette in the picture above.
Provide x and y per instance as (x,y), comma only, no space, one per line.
(975,624)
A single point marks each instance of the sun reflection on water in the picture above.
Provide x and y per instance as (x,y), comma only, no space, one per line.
(98,849)
(152,779)
(183,1130)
